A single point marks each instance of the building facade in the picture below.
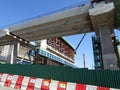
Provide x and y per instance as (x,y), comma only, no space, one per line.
(55,51)
(97,51)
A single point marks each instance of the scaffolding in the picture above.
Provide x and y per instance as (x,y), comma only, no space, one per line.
(97,53)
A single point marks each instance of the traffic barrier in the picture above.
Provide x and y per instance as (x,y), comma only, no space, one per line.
(45,84)
(19,82)
(32,83)
(8,80)
(71,86)
(53,85)
(62,86)
(90,87)
(25,83)
(3,78)
(14,80)
(102,88)
(80,87)
(38,84)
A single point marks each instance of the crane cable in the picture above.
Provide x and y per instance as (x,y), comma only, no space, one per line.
(80,42)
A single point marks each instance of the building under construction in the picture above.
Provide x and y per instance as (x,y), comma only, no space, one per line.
(98,61)
(54,51)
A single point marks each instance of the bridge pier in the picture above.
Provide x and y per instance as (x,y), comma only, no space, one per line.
(12,53)
(102,19)
(108,53)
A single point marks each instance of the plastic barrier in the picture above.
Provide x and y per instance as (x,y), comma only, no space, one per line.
(25,83)
(19,82)
(90,87)
(71,86)
(3,78)
(38,84)
(45,84)
(14,80)
(80,87)
(53,85)
(102,88)
(31,83)
(62,86)
(8,80)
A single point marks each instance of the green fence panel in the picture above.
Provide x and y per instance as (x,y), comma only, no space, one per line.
(105,78)
(117,13)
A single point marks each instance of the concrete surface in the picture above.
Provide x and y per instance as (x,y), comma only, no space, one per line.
(68,22)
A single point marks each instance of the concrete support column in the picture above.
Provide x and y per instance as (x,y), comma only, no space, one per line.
(12,53)
(102,19)
(108,53)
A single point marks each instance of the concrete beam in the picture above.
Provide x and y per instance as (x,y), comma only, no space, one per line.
(69,20)
(102,15)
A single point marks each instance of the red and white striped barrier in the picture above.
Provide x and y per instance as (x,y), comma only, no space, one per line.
(38,84)
(14,81)
(31,83)
(18,82)
(8,80)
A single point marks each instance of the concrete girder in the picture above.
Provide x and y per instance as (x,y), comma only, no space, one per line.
(53,35)
(50,28)
(50,18)
(60,29)
(58,23)
(67,20)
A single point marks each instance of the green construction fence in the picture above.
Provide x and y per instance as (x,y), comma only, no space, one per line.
(105,78)
(117,13)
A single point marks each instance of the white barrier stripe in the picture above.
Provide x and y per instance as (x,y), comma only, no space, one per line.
(71,86)
(3,79)
(90,87)
(38,83)
(14,80)
(25,83)
(53,85)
